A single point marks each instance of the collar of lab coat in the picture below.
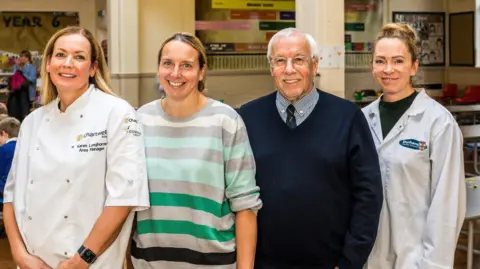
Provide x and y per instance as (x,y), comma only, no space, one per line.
(418,106)
(77,104)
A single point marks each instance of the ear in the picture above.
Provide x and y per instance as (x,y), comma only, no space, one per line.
(94,68)
(315,65)
(47,66)
(414,69)
(202,72)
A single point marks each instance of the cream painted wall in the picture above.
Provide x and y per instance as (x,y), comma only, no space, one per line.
(159,20)
(86,8)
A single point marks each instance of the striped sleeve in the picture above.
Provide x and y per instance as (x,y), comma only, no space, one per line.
(241,191)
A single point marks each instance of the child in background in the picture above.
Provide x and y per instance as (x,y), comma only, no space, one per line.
(9,128)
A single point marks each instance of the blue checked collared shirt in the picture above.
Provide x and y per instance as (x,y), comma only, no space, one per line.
(303,107)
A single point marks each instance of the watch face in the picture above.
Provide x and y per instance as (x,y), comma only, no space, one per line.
(89,256)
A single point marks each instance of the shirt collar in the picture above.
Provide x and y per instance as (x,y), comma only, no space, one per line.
(418,105)
(11,140)
(77,104)
(300,105)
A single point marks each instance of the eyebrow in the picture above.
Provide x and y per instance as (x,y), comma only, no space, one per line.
(187,61)
(78,51)
(383,57)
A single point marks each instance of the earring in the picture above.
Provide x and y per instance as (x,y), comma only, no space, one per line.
(91,80)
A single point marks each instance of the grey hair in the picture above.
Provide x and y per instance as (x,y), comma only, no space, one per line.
(289,32)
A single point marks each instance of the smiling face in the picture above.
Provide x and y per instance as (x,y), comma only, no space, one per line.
(393,66)
(70,64)
(179,70)
(292,66)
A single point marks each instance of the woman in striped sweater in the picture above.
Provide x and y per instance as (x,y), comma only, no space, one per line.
(201,171)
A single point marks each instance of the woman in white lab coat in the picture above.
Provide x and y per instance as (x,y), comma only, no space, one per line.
(79,167)
(420,151)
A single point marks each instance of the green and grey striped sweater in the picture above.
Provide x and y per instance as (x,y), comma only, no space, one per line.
(201,170)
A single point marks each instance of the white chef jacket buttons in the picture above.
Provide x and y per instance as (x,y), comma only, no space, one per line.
(30,217)
(65,217)
(65,253)
(68,180)
(81,115)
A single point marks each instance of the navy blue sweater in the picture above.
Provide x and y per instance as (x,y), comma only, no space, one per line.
(320,185)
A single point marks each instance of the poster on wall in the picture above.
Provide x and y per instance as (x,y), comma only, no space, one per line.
(31,30)
(241,26)
(363,20)
(430,28)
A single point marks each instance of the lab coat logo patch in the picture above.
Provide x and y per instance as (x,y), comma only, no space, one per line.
(414,144)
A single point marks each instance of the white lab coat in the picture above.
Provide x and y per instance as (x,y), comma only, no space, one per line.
(421,162)
(68,166)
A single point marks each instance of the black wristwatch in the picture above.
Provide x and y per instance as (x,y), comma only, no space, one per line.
(87,255)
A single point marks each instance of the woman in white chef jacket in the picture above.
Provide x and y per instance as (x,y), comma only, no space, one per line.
(420,151)
(79,166)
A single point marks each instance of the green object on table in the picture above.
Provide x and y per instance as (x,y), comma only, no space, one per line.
(358,96)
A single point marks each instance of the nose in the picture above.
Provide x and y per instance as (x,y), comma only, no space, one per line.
(289,67)
(68,61)
(388,68)
(176,71)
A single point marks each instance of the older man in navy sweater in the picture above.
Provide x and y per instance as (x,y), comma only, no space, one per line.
(317,167)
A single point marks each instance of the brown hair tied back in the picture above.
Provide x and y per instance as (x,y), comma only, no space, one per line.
(403,32)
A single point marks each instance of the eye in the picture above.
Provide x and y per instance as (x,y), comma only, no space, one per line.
(279,61)
(167,63)
(399,61)
(186,65)
(379,61)
(80,57)
(59,54)
(299,60)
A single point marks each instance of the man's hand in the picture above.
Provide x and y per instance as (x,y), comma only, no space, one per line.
(73,263)
(28,261)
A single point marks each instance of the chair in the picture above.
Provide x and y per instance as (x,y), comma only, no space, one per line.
(471,96)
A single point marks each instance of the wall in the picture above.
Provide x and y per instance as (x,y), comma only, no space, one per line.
(159,20)
(462,76)
(362,79)
(86,8)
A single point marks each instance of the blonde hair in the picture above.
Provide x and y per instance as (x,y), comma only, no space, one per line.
(195,43)
(101,79)
(405,33)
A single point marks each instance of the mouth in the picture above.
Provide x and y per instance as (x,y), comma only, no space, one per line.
(291,81)
(67,75)
(175,84)
(389,79)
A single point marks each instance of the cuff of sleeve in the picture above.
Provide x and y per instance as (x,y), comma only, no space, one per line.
(251,202)
(136,204)
(426,264)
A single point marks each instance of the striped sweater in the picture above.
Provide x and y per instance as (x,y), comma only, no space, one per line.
(201,171)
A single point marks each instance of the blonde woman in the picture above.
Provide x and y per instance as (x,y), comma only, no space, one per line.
(79,166)
(420,148)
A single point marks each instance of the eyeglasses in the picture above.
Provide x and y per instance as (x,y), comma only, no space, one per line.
(282,62)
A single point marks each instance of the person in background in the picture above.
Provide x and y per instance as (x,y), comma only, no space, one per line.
(201,170)
(79,166)
(317,167)
(9,128)
(420,147)
(29,71)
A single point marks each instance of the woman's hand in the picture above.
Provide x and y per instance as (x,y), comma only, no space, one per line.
(28,261)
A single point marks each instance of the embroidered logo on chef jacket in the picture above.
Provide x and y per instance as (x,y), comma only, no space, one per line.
(414,144)
(87,146)
(131,126)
